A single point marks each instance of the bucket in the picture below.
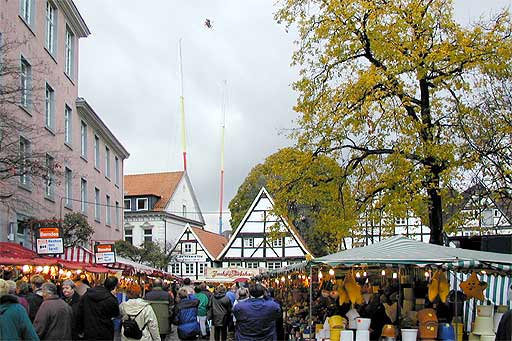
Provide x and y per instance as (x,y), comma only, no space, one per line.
(362,335)
(428,330)
(459,327)
(346,335)
(352,315)
(484,310)
(446,332)
(409,334)
(483,326)
(488,338)
(363,324)
(389,331)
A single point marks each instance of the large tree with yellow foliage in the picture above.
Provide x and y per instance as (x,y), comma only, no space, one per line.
(386,86)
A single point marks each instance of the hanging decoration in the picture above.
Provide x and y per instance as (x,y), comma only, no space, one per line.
(473,287)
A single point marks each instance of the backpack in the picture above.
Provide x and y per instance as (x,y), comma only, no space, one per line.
(131,328)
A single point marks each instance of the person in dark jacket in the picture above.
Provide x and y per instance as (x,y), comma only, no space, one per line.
(220,313)
(96,309)
(256,317)
(162,304)
(54,317)
(185,316)
(35,298)
(72,298)
(504,332)
(14,321)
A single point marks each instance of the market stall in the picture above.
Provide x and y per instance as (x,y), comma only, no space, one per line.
(21,263)
(398,281)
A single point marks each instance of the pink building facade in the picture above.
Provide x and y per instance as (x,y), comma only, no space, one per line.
(42,37)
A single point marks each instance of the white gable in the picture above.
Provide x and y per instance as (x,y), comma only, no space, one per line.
(250,241)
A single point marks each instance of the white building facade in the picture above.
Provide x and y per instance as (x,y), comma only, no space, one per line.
(158,207)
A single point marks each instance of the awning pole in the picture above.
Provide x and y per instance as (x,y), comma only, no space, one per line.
(456,307)
(311,301)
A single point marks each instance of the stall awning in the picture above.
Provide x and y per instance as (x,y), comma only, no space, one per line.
(130,267)
(402,250)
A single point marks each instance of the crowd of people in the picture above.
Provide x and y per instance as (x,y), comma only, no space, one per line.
(43,310)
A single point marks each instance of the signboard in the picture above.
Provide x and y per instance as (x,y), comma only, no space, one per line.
(190,258)
(104,253)
(48,237)
(230,274)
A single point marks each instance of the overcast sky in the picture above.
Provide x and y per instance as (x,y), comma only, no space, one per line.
(129,73)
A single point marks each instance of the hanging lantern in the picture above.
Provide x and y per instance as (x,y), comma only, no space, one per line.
(39,269)
(68,274)
(26,268)
(427,274)
(320,275)
(358,275)
(365,274)
(46,269)
(395,275)
(383,273)
(331,272)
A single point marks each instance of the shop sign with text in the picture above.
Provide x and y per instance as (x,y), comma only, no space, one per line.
(48,238)
(104,253)
(190,258)
(230,273)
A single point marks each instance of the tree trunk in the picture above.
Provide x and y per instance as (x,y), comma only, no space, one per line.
(435,213)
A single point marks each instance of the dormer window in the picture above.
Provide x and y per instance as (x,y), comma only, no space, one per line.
(142,204)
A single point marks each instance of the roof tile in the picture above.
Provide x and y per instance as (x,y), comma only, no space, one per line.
(162,185)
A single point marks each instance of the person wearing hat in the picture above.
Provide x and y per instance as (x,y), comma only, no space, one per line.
(14,321)
(71,297)
(54,317)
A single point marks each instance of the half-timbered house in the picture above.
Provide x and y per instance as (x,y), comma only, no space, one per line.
(251,245)
(195,250)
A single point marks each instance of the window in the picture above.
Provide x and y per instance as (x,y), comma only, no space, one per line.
(187,248)
(27,11)
(127,205)
(68,187)
(277,242)
(401,221)
(232,264)
(108,218)
(68,127)
(69,53)
(26,83)
(24,163)
(252,265)
(107,162)
(83,195)
(175,268)
(142,204)
(96,152)
(273,265)
(116,165)
(248,242)
(184,210)
(51,23)
(117,214)
(97,208)
(148,235)
(49,177)
(83,139)
(128,235)
(189,268)
(49,107)
(202,266)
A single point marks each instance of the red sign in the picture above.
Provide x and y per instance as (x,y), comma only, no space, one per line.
(104,248)
(49,232)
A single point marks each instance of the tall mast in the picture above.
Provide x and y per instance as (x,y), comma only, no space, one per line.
(223,128)
(182,110)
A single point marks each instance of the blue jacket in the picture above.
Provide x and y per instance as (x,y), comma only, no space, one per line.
(256,320)
(185,317)
(14,321)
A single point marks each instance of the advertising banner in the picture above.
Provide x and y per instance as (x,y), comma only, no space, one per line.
(48,237)
(104,253)
(230,274)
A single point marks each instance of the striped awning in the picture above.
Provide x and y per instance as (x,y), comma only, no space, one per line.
(478,265)
(399,250)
